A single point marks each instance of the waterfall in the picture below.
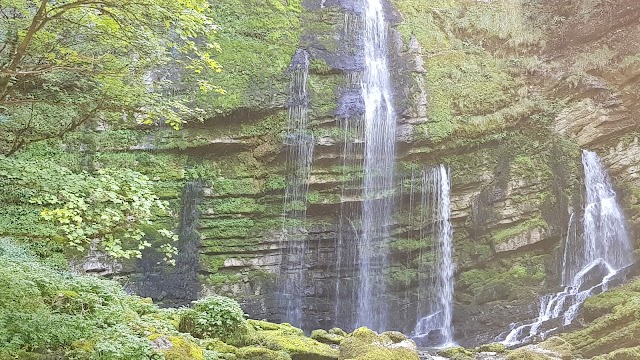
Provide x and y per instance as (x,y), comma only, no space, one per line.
(605,228)
(379,158)
(351,115)
(300,143)
(435,210)
(588,265)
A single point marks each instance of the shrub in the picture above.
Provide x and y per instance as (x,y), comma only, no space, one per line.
(214,317)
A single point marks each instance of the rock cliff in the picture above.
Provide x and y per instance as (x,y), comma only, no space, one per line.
(504,92)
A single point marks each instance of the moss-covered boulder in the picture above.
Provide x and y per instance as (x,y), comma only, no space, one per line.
(456,353)
(284,337)
(284,328)
(326,337)
(338,331)
(260,353)
(219,346)
(526,354)
(177,347)
(622,354)
(552,349)
(493,347)
(365,344)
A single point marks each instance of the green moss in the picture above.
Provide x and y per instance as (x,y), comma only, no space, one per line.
(458,352)
(320,67)
(494,347)
(298,347)
(401,276)
(326,338)
(615,325)
(258,41)
(226,187)
(284,328)
(260,353)
(240,205)
(504,235)
(181,349)
(523,354)
(365,344)
(274,182)
(219,346)
(338,331)
(509,279)
(621,354)
(225,228)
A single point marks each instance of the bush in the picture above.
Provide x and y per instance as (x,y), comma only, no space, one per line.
(214,317)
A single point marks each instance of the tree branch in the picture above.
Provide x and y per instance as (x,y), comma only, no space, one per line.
(5,77)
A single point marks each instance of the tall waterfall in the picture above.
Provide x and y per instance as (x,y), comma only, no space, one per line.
(435,209)
(379,159)
(589,262)
(300,144)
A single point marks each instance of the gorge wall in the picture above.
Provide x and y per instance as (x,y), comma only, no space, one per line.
(505,93)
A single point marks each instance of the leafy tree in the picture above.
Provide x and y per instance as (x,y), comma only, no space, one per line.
(109,209)
(66,63)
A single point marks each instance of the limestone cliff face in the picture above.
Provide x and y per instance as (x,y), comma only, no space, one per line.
(503,92)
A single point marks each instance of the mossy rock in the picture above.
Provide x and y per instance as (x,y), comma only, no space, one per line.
(496,290)
(326,337)
(456,352)
(284,328)
(365,344)
(219,346)
(395,336)
(298,347)
(560,347)
(260,353)
(524,354)
(493,347)
(338,331)
(621,354)
(177,348)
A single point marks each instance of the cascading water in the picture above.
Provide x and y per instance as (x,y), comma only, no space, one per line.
(351,114)
(605,228)
(435,210)
(300,143)
(588,265)
(379,159)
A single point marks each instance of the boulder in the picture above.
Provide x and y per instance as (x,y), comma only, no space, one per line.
(365,344)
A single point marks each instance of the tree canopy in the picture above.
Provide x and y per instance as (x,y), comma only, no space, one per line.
(111,209)
(67,63)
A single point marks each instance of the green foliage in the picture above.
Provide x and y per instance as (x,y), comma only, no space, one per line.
(51,313)
(44,310)
(215,317)
(401,276)
(64,64)
(108,209)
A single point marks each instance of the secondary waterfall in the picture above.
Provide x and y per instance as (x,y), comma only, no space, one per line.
(300,143)
(379,159)
(435,212)
(589,262)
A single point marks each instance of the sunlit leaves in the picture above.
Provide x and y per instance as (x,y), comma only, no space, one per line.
(108,209)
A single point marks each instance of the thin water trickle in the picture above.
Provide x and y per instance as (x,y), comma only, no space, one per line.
(300,143)
(435,209)
(379,163)
(589,262)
